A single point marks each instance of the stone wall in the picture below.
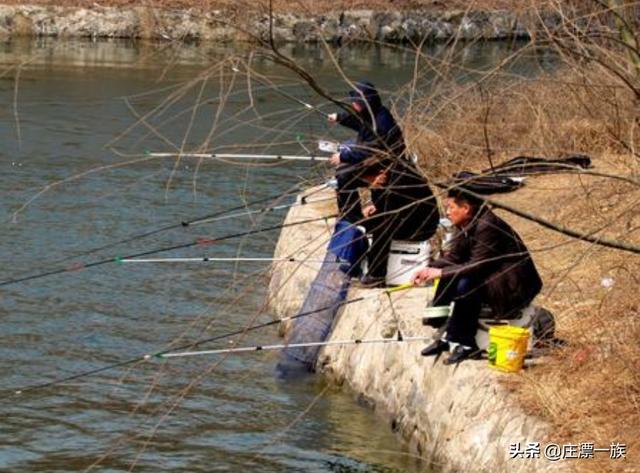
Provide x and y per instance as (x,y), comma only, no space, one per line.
(192,25)
(460,418)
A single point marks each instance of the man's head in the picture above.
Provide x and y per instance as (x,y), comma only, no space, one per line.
(461,207)
(375,171)
(364,97)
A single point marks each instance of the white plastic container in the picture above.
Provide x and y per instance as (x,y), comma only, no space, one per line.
(405,258)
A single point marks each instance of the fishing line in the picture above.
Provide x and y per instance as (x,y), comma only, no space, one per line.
(200,241)
(243,331)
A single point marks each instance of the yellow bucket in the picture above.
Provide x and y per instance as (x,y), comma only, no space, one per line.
(507,347)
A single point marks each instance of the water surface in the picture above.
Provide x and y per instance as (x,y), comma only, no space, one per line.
(76,121)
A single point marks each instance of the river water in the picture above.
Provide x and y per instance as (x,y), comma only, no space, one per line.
(75,122)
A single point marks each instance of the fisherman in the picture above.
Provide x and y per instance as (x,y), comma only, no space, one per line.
(402,207)
(487,263)
(378,134)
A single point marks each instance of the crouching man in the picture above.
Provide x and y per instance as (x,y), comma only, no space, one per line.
(487,263)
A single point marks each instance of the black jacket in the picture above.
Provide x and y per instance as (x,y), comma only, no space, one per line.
(407,203)
(492,252)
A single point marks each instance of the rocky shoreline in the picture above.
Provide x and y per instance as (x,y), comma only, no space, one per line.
(458,418)
(216,26)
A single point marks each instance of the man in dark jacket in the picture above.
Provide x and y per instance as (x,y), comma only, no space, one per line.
(402,207)
(378,136)
(486,263)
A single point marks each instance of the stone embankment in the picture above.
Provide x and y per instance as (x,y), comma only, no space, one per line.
(220,26)
(459,418)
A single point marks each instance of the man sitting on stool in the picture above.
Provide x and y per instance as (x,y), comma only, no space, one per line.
(402,207)
(487,262)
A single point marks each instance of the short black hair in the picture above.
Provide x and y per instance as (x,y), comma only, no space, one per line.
(459,194)
(375,165)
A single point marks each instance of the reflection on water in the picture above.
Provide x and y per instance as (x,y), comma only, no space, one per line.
(83,116)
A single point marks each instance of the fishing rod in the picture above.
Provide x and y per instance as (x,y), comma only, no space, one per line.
(186,223)
(272,157)
(199,241)
(302,201)
(287,95)
(197,343)
(207,259)
(282,346)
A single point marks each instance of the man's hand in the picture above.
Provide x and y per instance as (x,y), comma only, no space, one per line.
(332,118)
(334,160)
(369,210)
(425,275)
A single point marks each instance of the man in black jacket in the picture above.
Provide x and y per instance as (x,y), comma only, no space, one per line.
(487,263)
(402,207)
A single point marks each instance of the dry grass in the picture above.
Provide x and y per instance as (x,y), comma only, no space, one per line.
(589,391)
(464,127)
(283,6)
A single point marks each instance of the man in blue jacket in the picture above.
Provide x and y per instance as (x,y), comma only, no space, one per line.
(378,136)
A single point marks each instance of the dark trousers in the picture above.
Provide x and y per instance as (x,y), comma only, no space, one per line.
(349,207)
(381,235)
(467,295)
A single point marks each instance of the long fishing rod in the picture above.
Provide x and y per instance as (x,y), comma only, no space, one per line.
(302,201)
(185,223)
(200,241)
(197,343)
(207,259)
(287,95)
(271,157)
(282,346)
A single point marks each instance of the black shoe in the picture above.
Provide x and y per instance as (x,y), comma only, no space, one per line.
(435,348)
(372,281)
(462,353)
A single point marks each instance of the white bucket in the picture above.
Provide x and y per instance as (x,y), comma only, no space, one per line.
(405,258)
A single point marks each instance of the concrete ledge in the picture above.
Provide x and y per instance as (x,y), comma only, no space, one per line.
(460,418)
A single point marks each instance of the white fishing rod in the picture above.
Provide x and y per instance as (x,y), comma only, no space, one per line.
(271,157)
(242,331)
(388,292)
(323,145)
(282,346)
